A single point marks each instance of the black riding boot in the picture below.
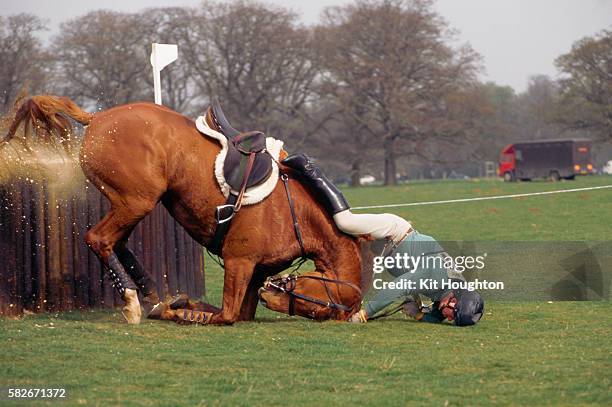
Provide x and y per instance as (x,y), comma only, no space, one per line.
(312,176)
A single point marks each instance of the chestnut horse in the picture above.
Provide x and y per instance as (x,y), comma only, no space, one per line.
(140,154)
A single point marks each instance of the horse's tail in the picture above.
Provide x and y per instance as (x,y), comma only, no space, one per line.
(46,119)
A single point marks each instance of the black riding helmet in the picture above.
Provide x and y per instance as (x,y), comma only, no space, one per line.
(469,307)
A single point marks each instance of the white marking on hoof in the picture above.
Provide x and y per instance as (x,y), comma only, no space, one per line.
(131,310)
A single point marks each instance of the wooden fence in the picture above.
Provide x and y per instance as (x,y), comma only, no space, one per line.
(46,266)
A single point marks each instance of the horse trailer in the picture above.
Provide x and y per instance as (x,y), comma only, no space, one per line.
(553,159)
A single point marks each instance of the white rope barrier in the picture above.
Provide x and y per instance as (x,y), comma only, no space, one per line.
(484,198)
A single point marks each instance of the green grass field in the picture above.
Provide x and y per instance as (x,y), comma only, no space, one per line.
(522,353)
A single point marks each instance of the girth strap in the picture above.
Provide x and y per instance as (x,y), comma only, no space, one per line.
(223,216)
(225,213)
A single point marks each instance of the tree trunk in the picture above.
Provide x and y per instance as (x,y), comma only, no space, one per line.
(356,173)
(390,170)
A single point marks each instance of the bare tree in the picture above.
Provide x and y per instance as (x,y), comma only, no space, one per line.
(23,63)
(503,125)
(102,58)
(253,57)
(586,85)
(389,64)
(342,145)
(537,109)
(166,25)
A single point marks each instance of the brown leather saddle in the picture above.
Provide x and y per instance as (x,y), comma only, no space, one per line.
(241,148)
(247,164)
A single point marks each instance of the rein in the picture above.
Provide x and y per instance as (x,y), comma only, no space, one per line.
(286,284)
(296,226)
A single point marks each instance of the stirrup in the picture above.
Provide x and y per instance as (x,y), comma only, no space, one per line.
(219,215)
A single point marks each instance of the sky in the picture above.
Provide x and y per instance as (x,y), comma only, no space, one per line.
(516,38)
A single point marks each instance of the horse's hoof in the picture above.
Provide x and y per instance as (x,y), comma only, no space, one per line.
(130,316)
(131,311)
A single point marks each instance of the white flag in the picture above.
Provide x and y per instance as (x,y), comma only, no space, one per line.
(162,55)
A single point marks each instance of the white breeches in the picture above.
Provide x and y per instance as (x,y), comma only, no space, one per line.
(379,226)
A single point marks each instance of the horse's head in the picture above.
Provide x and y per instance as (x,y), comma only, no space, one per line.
(311,295)
(317,295)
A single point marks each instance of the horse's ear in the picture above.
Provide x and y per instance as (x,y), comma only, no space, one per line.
(210,120)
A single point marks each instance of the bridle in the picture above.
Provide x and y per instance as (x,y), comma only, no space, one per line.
(287,283)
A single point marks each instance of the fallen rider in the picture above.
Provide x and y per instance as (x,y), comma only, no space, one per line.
(461,306)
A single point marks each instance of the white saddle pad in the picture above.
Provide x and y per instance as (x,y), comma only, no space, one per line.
(254,194)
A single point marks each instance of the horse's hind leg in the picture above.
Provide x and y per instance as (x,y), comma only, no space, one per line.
(145,283)
(114,227)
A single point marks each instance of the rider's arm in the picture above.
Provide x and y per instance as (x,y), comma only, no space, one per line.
(428,317)
(414,308)
(433,316)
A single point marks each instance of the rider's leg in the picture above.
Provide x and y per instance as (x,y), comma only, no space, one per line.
(312,176)
(378,226)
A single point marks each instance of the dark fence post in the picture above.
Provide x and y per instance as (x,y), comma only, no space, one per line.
(45,264)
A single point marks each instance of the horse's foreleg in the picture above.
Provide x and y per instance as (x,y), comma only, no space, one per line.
(240,299)
(238,275)
(251,297)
